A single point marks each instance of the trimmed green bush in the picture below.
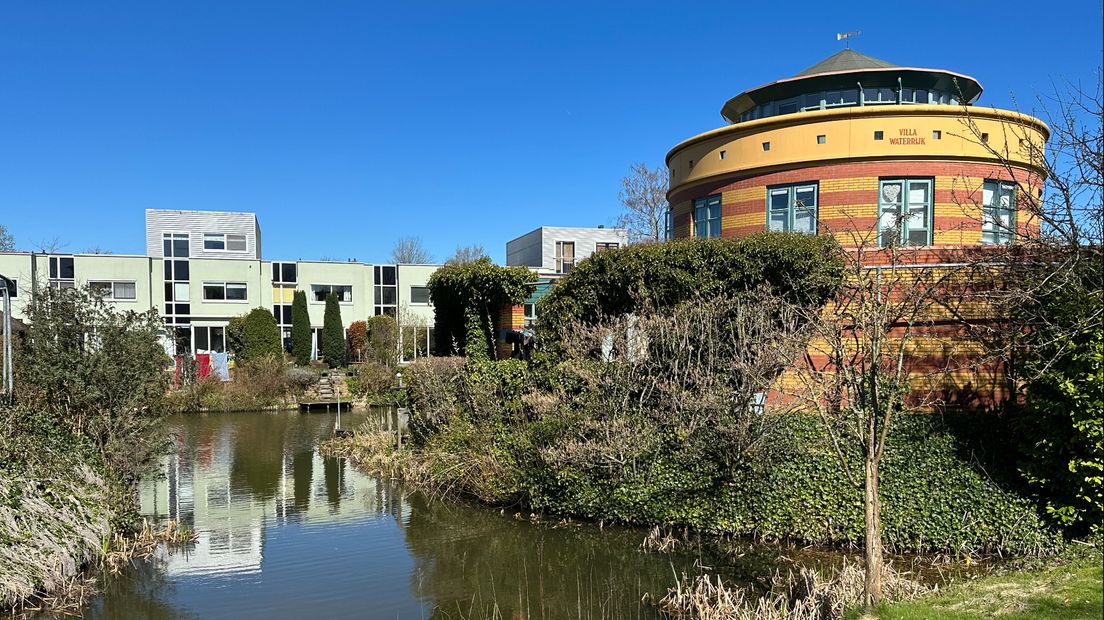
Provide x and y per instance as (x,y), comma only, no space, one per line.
(333,334)
(260,336)
(300,329)
(803,269)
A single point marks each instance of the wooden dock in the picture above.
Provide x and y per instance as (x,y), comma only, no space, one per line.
(325,405)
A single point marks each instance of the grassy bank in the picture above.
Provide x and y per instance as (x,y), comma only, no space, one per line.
(1065,591)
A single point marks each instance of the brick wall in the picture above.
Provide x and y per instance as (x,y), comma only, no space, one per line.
(848,198)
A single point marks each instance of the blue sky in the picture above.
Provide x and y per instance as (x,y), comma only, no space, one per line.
(345,125)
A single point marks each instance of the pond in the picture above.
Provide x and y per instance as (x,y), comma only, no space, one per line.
(287,533)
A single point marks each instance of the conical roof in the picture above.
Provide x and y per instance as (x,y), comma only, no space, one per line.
(845,60)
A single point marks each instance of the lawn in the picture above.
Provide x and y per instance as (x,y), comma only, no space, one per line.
(1067,591)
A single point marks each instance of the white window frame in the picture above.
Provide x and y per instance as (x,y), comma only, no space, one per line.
(225,240)
(993,232)
(208,328)
(225,288)
(311,299)
(560,260)
(113,296)
(790,191)
(281,265)
(597,246)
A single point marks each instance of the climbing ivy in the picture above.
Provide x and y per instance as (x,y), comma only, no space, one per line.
(467,299)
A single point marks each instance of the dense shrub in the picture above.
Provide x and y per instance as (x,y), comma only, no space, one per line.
(467,298)
(1061,428)
(259,383)
(300,329)
(95,376)
(383,340)
(802,269)
(483,430)
(375,382)
(332,339)
(261,336)
(235,335)
(357,338)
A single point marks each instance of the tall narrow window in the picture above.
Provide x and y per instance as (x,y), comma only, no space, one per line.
(998,212)
(669,224)
(565,256)
(792,208)
(707,216)
(905,212)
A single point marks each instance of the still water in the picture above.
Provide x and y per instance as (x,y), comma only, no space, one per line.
(286,533)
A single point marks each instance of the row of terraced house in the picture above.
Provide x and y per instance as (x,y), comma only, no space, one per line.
(202,268)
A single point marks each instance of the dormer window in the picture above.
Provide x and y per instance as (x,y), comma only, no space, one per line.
(221,242)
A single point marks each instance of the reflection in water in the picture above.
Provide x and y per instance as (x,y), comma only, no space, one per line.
(286,533)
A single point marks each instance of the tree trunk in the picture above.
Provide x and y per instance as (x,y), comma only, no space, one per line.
(872,586)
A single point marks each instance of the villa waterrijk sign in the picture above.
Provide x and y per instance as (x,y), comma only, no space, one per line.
(907,136)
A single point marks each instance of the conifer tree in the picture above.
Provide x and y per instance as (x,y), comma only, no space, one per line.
(333,334)
(300,329)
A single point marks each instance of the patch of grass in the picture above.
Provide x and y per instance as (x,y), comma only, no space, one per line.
(1065,591)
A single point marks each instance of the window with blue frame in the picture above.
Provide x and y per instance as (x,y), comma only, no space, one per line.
(998,212)
(792,208)
(905,212)
(707,216)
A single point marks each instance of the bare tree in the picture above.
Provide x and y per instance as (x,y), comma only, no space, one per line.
(410,251)
(7,242)
(467,254)
(643,198)
(97,250)
(862,367)
(50,246)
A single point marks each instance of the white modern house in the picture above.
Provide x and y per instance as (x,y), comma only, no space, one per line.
(551,250)
(201,268)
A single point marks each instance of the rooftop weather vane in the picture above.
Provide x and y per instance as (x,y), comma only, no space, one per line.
(846,36)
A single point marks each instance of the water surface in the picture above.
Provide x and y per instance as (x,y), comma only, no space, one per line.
(286,533)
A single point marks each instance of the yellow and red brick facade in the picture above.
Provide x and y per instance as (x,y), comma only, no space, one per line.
(847,150)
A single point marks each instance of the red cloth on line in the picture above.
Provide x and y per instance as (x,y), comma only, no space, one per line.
(203,365)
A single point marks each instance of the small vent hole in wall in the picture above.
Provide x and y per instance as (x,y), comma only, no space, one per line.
(878,135)
(766,146)
(937,134)
(985,138)
(723,153)
(822,139)
(691,164)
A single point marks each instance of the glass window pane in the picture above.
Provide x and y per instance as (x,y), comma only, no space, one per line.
(183,308)
(850,96)
(218,340)
(180,248)
(214,291)
(389,296)
(388,275)
(235,291)
(66,271)
(276,272)
(778,220)
(214,242)
(53,267)
(235,243)
(102,289)
(181,270)
(289,272)
(168,291)
(987,195)
(182,291)
(125,290)
(201,344)
(918,193)
(166,246)
(168,270)
(319,292)
(419,295)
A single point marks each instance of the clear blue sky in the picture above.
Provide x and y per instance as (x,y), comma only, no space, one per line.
(344,125)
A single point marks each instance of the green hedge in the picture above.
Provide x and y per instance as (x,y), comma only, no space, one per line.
(948,483)
(938,492)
